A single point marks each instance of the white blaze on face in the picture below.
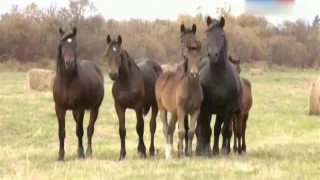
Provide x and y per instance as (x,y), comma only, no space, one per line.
(114,48)
(69,40)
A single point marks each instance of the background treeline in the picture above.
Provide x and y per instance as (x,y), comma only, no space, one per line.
(31,35)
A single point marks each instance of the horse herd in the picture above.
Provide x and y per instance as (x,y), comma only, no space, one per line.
(199,87)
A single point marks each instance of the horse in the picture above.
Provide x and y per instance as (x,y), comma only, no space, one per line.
(222,90)
(181,95)
(133,88)
(78,86)
(240,125)
(186,35)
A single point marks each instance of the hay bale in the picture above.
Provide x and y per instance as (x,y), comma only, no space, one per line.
(256,72)
(314,97)
(40,79)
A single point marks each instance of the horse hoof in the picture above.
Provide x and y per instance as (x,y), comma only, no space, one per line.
(188,154)
(224,151)
(89,153)
(151,151)
(235,149)
(61,155)
(80,153)
(61,159)
(121,158)
(142,155)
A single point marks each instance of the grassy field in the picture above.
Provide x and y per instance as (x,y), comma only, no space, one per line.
(283,142)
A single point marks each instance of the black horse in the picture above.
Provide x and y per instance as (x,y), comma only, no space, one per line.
(222,91)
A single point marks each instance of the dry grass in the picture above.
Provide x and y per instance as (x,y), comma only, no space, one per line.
(282,140)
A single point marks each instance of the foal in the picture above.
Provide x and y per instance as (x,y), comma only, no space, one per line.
(133,88)
(78,86)
(240,124)
(181,95)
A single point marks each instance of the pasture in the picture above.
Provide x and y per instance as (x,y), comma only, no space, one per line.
(282,140)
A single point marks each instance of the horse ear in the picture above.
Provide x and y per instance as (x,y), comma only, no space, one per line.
(222,21)
(119,40)
(61,31)
(194,28)
(74,31)
(209,20)
(108,39)
(182,28)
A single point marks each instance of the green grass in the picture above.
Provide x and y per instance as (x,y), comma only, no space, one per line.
(282,140)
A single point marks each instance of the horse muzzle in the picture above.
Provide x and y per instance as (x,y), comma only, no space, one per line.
(113,75)
(70,64)
(194,74)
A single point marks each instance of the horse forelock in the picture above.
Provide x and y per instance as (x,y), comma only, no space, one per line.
(66,35)
(215,23)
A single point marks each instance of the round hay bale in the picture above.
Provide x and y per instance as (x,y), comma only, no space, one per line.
(314,97)
(256,72)
(40,79)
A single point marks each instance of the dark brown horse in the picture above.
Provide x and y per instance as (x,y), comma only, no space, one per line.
(133,88)
(181,95)
(240,124)
(78,86)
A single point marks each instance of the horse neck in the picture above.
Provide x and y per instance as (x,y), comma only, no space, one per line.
(126,69)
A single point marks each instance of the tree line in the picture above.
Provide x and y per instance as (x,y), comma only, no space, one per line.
(31,34)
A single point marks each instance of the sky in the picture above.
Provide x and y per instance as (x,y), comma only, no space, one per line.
(170,9)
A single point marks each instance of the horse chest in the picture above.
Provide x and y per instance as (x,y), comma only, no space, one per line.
(126,96)
(69,98)
(192,98)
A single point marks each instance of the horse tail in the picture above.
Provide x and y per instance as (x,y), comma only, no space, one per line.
(145,110)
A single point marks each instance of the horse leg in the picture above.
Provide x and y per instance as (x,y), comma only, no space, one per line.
(172,127)
(90,129)
(238,132)
(217,131)
(203,133)
(182,132)
(235,146)
(186,127)
(153,126)
(61,113)
(165,129)
(74,114)
(140,131)
(79,131)
(121,113)
(193,121)
(226,132)
(244,127)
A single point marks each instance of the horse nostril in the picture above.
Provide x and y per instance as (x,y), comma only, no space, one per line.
(216,54)
(194,74)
